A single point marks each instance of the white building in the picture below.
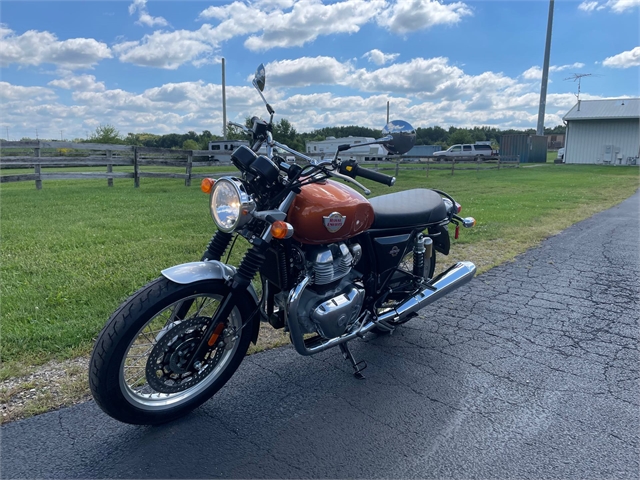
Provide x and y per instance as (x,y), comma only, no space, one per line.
(603,132)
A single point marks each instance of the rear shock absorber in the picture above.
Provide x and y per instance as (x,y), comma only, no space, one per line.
(418,256)
(218,244)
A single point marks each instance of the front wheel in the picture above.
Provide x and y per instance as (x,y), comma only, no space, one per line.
(139,369)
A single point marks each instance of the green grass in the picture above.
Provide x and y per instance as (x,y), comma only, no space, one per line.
(73,251)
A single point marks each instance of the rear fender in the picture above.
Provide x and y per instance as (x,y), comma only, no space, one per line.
(211,270)
(441,241)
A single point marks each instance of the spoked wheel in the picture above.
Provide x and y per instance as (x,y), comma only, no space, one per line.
(142,370)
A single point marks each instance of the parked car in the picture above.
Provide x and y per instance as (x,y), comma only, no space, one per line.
(466,150)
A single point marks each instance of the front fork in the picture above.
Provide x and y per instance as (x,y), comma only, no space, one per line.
(251,263)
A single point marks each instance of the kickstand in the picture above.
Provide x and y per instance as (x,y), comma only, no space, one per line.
(358,367)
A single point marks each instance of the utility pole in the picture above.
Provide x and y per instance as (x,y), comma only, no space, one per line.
(545,73)
(387,111)
(60,135)
(7,134)
(36,133)
(224,103)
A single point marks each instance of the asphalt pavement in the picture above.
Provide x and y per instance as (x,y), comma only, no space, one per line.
(529,371)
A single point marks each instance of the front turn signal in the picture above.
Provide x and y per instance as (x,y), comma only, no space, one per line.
(281,230)
(207,184)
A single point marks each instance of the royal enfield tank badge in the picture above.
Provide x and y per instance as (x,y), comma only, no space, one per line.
(334,221)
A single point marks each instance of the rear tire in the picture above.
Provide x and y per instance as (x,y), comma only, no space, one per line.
(429,271)
(137,345)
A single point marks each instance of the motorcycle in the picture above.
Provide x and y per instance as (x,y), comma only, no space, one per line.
(332,266)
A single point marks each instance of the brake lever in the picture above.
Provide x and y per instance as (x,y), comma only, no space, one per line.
(244,128)
(351,180)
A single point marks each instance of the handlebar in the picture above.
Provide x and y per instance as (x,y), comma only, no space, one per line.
(241,127)
(352,169)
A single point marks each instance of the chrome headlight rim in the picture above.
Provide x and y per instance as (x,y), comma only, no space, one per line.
(245,204)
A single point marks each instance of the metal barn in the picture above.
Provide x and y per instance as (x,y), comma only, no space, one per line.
(530,148)
(603,132)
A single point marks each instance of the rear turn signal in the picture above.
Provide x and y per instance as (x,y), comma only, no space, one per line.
(458,207)
(468,222)
(281,230)
(207,184)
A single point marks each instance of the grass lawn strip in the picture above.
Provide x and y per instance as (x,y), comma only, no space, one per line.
(72,252)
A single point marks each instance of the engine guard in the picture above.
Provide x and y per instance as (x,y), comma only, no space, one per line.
(192,272)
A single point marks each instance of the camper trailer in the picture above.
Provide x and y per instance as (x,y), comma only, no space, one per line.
(328,147)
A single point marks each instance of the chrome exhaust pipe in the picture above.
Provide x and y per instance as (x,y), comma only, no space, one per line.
(456,276)
(445,283)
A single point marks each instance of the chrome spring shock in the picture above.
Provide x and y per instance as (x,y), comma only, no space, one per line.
(418,256)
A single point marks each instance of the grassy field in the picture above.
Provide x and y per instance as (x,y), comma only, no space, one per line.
(73,251)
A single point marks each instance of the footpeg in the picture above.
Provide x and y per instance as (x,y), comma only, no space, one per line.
(358,367)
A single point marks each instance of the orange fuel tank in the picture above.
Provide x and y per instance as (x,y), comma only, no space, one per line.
(328,212)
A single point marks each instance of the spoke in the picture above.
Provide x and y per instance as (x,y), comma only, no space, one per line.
(204,303)
(174,312)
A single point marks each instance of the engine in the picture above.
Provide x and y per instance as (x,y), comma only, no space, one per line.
(333,302)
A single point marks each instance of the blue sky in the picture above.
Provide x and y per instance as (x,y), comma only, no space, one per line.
(154,66)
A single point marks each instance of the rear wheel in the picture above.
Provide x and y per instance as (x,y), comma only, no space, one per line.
(406,265)
(140,368)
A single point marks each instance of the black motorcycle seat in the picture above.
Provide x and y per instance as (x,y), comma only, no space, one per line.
(419,206)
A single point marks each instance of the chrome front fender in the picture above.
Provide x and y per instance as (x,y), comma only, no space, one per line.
(198,271)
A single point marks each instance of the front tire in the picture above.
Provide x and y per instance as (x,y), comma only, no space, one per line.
(137,371)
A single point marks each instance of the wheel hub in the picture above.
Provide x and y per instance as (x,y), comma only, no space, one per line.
(166,369)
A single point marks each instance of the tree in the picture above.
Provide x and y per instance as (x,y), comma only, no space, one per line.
(460,136)
(191,144)
(106,134)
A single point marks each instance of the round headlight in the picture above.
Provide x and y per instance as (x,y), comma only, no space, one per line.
(230,204)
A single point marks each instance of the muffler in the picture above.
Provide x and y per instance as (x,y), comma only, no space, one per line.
(445,283)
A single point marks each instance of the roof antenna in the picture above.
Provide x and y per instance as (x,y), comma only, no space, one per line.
(578,77)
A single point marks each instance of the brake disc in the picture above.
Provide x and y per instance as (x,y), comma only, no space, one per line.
(166,369)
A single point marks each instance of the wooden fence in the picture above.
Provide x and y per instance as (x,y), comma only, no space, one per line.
(39,155)
(451,164)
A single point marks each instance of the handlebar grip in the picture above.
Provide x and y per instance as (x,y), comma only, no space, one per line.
(376,176)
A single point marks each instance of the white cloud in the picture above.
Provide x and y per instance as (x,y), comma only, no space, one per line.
(620,6)
(307,71)
(167,49)
(535,72)
(310,19)
(80,83)
(630,58)
(35,48)
(9,92)
(411,15)
(560,68)
(587,6)
(380,58)
(423,91)
(143,15)
(289,23)
(422,78)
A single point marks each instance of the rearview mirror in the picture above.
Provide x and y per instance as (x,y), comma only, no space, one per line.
(403,137)
(259,78)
